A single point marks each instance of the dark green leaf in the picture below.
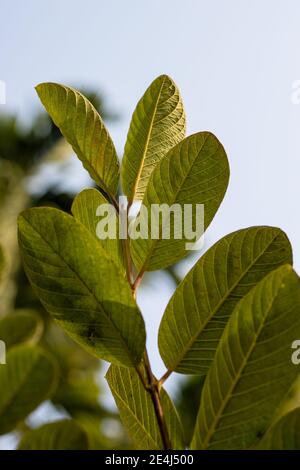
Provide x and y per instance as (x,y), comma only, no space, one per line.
(81,286)
(21,326)
(60,435)
(28,378)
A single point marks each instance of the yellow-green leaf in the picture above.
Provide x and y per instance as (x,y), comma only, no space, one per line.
(84,129)
(252,370)
(284,434)
(198,311)
(137,411)
(194,172)
(158,123)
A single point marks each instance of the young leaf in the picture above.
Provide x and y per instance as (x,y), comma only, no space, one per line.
(59,435)
(194,172)
(84,209)
(28,378)
(197,313)
(137,411)
(22,326)
(252,359)
(84,129)
(81,286)
(158,123)
(283,435)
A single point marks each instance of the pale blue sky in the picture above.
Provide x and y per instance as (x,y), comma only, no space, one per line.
(234,62)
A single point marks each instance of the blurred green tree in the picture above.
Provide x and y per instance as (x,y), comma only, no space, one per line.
(23,151)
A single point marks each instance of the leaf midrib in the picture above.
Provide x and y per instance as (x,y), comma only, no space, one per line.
(219,305)
(88,289)
(86,162)
(12,397)
(155,242)
(147,141)
(79,151)
(244,363)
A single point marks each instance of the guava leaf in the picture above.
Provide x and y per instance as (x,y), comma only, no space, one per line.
(198,311)
(252,370)
(158,123)
(137,411)
(81,286)
(195,171)
(82,126)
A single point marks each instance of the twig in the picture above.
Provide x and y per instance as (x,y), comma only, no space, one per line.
(165,376)
(137,281)
(151,385)
(155,396)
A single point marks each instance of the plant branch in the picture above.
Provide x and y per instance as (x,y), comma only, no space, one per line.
(154,391)
(138,279)
(150,383)
(142,378)
(128,264)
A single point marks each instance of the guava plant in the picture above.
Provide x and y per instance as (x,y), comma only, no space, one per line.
(233,317)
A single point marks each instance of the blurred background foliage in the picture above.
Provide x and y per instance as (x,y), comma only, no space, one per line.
(24,155)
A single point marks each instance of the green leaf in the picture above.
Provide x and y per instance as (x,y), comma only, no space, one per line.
(84,129)
(252,370)
(283,435)
(60,435)
(79,394)
(80,285)
(84,209)
(137,411)
(28,378)
(158,123)
(194,172)
(21,326)
(197,313)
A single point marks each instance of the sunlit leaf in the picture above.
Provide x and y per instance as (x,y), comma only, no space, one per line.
(84,129)
(158,123)
(60,435)
(137,411)
(28,378)
(252,370)
(197,313)
(80,285)
(194,172)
